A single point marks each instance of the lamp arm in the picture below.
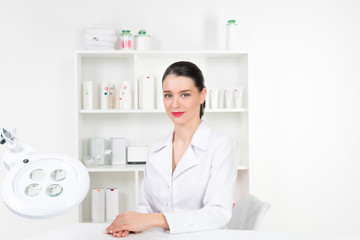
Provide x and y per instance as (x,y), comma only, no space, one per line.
(15,151)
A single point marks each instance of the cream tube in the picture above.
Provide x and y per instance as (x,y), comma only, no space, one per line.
(214,98)
(87,95)
(126,96)
(104,96)
(239,97)
(229,99)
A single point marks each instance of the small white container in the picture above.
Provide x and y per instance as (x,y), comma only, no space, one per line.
(231,35)
(98,205)
(112,204)
(229,98)
(214,96)
(239,92)
(146,93)
(87,95)
(118,148)
(126,96)
(104,96)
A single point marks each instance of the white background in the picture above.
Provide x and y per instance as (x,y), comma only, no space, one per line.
(304,107)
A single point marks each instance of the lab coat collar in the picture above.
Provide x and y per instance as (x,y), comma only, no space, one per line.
(163,152)
(200,138)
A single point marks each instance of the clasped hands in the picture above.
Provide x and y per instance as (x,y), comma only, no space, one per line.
(135,222)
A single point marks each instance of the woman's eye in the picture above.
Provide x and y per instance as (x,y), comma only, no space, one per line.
(185,95)
(167,95)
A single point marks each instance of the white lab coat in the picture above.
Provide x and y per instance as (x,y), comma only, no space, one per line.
(198,196)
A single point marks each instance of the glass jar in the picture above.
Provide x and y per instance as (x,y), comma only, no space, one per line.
(142,41)
(126,40)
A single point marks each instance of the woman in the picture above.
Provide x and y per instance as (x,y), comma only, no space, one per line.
(190,174)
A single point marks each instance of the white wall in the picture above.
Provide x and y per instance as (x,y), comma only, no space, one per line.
(305,102)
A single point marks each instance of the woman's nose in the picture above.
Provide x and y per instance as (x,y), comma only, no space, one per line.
(176,102)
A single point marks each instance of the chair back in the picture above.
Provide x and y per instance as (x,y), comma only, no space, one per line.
(248,213)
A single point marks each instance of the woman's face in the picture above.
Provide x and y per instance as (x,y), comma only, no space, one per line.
(182,99)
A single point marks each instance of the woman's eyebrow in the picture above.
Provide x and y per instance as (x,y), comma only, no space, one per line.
(186,90)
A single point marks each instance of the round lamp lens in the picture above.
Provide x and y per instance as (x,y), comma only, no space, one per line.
(54,190)
(33,190)
(37,175)
(58,175)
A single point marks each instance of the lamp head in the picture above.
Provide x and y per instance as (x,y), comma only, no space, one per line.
(42,185)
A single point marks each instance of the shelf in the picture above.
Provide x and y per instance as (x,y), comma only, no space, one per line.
(161,111)
(111,168)
(131,168)
(118,53)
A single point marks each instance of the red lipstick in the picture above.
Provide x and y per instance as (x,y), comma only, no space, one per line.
(177,114)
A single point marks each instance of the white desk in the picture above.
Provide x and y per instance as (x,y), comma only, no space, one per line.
(95,231)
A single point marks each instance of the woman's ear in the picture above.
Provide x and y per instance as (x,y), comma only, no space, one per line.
(203,96)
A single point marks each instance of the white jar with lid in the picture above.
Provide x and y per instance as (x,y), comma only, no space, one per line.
(142,41)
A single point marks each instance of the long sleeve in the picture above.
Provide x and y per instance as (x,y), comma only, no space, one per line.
(218,198)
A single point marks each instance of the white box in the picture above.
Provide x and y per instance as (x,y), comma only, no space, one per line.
(146,93)
(137,155)
(98,205)
(112,204)
(97,146)
(118,148)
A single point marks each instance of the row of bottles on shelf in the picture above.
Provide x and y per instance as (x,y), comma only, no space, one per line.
(121,96)
(119,153)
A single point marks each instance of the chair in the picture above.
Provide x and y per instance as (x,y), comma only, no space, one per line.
(248,213)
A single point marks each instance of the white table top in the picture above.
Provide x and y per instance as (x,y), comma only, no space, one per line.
(95,231)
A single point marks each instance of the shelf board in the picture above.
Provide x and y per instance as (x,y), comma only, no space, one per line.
(132,168)
(153,53)
(111,168)
(161,111)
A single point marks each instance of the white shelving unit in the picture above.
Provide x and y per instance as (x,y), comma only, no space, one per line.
(222,69)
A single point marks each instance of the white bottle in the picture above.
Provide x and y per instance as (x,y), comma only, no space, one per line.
(231,35)
(214,98)
(239,92)
(229,98)
(87,95)
(146,93)
(104,96)
(126,96)
(112,97)
(112,204)
(98,205)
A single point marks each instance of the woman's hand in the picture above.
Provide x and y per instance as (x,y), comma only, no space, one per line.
(134,222)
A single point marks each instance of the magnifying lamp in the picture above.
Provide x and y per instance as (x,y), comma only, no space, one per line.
(41,186)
